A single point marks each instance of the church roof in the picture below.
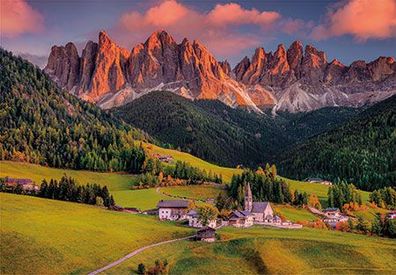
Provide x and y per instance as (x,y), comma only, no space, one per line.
(240,214)
(259,207)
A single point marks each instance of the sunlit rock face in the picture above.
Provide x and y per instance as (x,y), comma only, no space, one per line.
(294,79)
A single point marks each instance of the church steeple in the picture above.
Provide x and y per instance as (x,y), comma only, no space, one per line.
(248,203)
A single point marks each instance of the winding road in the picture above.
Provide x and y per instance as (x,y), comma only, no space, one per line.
(135,252)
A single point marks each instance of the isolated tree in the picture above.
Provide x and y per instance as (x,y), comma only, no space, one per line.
(207,213)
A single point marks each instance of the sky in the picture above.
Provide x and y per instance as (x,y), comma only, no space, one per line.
(347,29)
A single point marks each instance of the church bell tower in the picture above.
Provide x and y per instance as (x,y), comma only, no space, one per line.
(248,203)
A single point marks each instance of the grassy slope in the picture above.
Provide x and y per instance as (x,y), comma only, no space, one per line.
(37,173)
(120,184)
(41,236)
(200,192)
(194,161)
(294,214)
(259,250)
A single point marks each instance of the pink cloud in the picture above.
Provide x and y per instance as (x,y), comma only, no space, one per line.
(215,28)
(18,17)
(234,14)
(363,19)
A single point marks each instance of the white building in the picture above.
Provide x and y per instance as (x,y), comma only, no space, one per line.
(173,210)
(334,216)
(193,220)
(241,219)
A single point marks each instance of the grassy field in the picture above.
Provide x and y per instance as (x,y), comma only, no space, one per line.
(273,251)
(194,161)
(199,192)
(41,236)
(115,181)
(120,184)
(319,189)
(294,214)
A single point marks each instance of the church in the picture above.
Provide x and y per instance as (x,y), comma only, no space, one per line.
(254,212)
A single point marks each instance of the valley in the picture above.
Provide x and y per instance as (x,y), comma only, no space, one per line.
(171,138)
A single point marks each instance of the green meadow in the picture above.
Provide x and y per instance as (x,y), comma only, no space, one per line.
(294,214)
(42,236)
(225,172)
(259,250)
(115,181)
(197,192)
(120,184)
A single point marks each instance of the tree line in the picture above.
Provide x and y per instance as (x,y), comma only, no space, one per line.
(385,197)
(66,189)
(343,193)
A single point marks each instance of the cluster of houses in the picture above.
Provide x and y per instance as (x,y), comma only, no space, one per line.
(253,213)
(25,184)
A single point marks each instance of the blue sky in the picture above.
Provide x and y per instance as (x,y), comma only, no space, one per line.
(230,30)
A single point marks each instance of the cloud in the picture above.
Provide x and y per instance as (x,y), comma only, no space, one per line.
(39,60)
(217,28)
(234,14)
(363,19)
(18,17)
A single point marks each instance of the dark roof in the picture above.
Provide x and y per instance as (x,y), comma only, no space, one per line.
(206,232)
(173,204)
(259,207)
(331,209)
(240,214)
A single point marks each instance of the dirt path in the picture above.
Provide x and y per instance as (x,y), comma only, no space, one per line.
(133,253)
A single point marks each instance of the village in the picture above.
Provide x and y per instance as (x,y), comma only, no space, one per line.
(253,213)
(183,210)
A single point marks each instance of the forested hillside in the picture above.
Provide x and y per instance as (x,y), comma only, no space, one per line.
(216,132)
(362,151)
(42,124)
(207,129)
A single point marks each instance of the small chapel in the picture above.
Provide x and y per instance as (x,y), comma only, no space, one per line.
(253,212)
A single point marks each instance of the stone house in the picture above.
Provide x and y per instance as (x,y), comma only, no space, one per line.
(173,210)
(241,218)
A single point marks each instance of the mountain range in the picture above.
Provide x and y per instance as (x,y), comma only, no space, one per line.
(296,79)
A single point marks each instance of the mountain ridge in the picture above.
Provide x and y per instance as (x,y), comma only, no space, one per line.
(296,79)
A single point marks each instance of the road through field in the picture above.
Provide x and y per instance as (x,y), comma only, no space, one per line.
(135,252)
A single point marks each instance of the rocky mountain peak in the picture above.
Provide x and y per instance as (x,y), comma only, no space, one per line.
(291,79)
(294,56)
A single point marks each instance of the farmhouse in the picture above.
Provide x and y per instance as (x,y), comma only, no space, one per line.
(193,220)
(173,209)
(26,184)
(241,218)
(333,216)
(164,158)
(318,180)
(206,234)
